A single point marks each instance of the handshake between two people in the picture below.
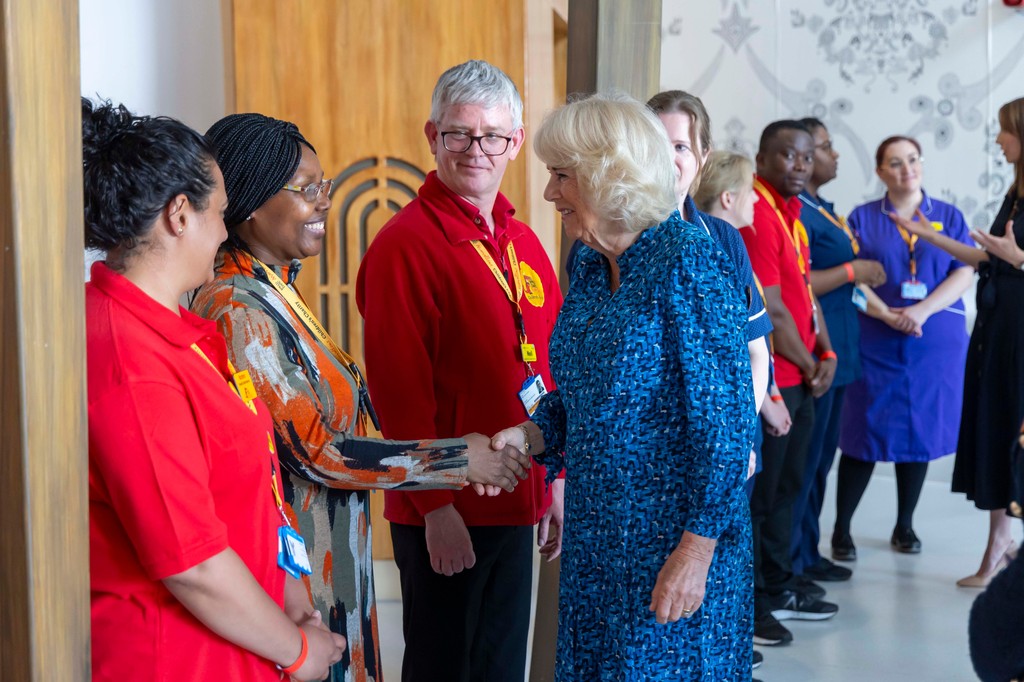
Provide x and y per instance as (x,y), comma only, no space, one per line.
(497,463)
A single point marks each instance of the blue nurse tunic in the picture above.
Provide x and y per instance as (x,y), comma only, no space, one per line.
(906,406)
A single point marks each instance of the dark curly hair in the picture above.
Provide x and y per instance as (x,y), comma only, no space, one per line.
(132,167)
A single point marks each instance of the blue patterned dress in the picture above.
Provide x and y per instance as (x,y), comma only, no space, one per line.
(655,416)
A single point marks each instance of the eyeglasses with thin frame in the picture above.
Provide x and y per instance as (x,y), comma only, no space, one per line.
(491,144)
(313,190)
(897,164)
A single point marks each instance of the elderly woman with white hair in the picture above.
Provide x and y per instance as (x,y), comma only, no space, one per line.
(654,414)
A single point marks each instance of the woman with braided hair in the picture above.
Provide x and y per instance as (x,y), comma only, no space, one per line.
(277,207)
(183,520)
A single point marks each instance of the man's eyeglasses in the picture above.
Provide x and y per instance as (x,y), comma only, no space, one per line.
(491,144)
(313,190)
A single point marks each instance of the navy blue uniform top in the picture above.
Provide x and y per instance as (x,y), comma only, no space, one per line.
(830,246)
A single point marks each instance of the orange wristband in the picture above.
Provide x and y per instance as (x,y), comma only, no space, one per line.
(828,355)
(776,398)
(302,656)
(850,276)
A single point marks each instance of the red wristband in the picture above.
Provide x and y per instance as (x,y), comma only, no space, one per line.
(850,276)
(776,398)
(828,355)
(302,656)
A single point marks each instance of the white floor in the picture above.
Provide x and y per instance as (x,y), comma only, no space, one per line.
(900,618)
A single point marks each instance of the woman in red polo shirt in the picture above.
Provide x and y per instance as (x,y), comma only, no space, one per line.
(184,511)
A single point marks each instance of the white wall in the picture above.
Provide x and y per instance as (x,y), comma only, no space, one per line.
(158,57)
(934,69)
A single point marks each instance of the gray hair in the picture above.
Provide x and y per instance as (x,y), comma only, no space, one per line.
(621,155)
(476,82)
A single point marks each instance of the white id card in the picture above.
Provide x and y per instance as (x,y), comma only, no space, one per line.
(295,559)
(533,390)
(914,291)
(860,301)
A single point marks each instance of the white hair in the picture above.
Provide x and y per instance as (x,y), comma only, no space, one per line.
(476,82)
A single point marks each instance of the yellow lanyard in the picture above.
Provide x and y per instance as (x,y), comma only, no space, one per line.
(241,385)
(306,315)
(527,349)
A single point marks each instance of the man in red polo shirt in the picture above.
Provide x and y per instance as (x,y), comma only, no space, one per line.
(459,300)
(804,366)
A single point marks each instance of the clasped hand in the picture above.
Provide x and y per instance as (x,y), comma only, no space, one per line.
(494,467)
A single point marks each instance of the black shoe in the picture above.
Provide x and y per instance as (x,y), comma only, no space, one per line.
(758,660)
(768,631)
(905,540)
(797,606)
(828,572)
(843,548)
(808,587)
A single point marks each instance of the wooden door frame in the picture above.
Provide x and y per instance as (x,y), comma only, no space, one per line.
(44,539)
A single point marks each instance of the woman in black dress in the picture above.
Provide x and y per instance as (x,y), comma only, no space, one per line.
(994,377)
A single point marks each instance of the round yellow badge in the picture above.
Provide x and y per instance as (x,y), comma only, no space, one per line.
(534,290)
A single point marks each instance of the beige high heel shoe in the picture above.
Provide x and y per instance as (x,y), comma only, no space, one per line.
(978,580)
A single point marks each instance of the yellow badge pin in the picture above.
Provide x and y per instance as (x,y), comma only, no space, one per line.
(532,286)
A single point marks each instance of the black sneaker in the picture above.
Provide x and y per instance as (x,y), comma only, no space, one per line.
(826,571)
(805,585)
(768,631)
(797,606)
(758,660)
(843,548)
(905,540)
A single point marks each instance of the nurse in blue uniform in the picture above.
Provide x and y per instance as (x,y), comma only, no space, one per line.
(906,407)
(835,270)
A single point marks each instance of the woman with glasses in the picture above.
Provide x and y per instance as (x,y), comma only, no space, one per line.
(277,208)
(184,516)
(905,408)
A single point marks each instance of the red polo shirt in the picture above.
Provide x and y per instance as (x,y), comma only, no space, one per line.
(179,470)
(773,255)
(442,349)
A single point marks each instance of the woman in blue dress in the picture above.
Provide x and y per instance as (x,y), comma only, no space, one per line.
(654,415)
(906,407)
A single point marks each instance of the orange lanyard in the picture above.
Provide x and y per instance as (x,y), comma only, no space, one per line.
(241,385)
(840,223)
(527,349)
(911,241)
(797,235)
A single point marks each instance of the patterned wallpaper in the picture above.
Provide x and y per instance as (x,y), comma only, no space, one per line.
(937,70)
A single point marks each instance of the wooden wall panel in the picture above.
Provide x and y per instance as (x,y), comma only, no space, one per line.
(44,540)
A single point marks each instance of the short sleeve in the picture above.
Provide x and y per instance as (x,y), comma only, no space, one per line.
(762,242)
(146,455)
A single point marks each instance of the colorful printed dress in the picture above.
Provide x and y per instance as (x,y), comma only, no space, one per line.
(329,463)
(655,414)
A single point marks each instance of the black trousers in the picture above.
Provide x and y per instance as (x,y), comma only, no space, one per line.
(775,491)
(471,626)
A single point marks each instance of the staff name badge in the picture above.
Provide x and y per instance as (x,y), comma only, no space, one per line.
(291,553)
(533,390)
(914,291)
(860,300)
